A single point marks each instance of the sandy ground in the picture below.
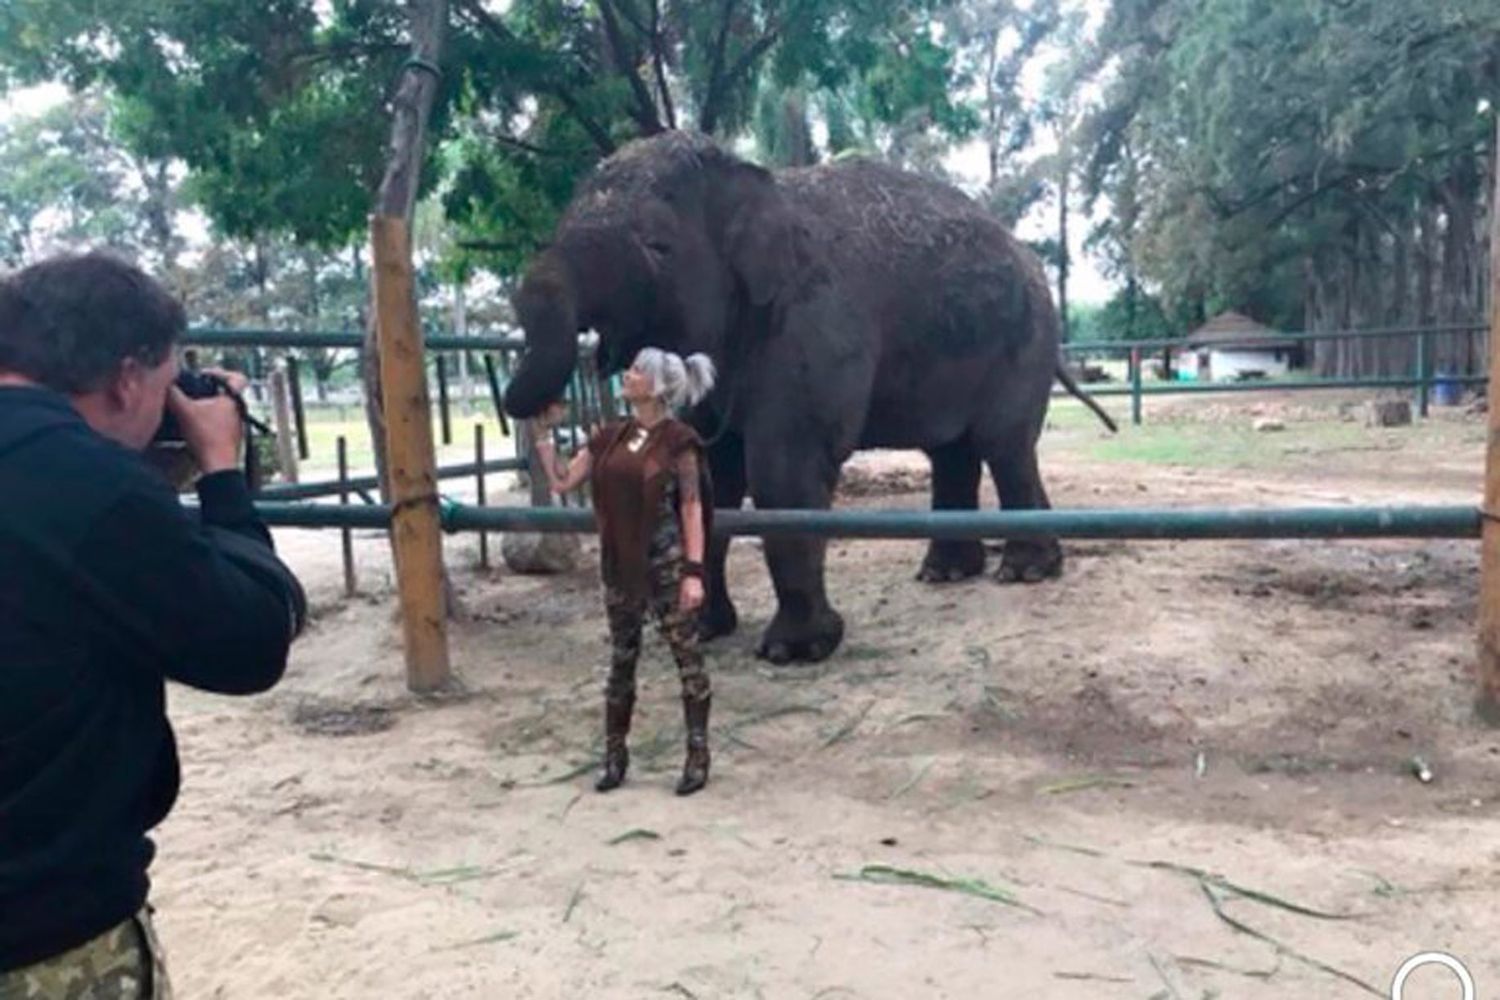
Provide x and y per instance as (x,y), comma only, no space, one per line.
(1181,771)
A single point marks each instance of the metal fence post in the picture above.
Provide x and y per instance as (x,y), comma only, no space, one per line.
(1423,378)
(1135,386)
(484,536)
(445,420)
(346,537)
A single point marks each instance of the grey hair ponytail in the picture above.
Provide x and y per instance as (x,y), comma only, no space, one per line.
(679,382)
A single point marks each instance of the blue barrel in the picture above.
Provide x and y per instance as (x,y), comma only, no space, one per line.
(1445,391)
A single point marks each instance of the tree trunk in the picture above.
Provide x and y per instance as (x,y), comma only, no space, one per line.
(397,197)
(1063,257)
(796,130)
(1456,300)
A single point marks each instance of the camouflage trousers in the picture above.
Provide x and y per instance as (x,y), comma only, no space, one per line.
(627,617)
(123,963)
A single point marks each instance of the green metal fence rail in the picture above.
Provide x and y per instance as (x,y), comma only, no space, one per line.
(1143,523)
(1422,378)
(363,484)
(1293,337)
(250,337)
(335,339)
(1268,385)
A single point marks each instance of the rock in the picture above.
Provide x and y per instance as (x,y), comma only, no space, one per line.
(1387,413)
(1268,425)
(540,553)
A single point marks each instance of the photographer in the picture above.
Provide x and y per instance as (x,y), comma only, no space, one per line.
(108,587)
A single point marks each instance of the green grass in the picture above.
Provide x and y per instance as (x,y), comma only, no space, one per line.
(1227,443)
(1227,446)
(325,426)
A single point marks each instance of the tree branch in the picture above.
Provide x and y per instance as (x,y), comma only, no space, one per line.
(721,81)
(763,44)
(626,11)
(412,107)
(501,246)
(527,147)
(658,61)
(708,120)
(658,56)
(492,24)
(644,112)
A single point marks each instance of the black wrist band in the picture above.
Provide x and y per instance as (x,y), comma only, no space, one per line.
(691,568)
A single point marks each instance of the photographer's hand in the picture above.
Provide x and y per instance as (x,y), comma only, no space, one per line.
(211,427)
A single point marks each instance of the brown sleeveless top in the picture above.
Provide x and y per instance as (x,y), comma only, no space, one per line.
(638,487)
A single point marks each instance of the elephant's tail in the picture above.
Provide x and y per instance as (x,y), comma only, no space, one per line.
(1066,378)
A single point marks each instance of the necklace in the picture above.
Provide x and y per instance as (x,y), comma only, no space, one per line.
(637,439)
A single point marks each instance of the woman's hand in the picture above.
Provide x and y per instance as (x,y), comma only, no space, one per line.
(553,415)
(690,593)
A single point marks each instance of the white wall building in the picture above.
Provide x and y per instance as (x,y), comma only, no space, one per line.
(1231,348)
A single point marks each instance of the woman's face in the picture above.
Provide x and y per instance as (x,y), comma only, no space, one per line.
(638,386)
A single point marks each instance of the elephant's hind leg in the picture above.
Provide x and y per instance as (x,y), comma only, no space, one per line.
(1019,483)
(955,486)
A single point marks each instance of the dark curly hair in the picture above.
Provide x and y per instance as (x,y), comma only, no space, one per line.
(68,323)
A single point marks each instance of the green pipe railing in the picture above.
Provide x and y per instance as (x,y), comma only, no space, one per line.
(1421,380)
(1260,339)
(1138,388)
(1144,523)
(251,337)
(336,339)
(363,484)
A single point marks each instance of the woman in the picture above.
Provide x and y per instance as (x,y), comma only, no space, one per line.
(652,504)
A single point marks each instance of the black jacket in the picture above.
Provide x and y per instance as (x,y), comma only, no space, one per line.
(107,588)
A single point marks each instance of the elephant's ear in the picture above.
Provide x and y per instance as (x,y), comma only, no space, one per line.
(763,244)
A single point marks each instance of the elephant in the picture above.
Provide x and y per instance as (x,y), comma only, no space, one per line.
(847,305)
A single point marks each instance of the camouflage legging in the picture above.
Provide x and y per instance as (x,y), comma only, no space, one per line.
(123,963)
(627,616)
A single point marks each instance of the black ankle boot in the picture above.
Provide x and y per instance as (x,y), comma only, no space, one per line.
(695,768)
(616,753)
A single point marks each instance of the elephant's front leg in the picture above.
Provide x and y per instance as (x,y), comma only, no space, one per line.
(726,462)
(805,626)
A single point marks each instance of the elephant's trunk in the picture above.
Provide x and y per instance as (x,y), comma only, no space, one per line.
(547,309)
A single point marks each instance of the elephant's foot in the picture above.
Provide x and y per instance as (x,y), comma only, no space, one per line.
(717,619)
(1030,561)
(808,641)
(949,562)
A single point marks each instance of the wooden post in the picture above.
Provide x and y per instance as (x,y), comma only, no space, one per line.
(346,537)
(1488,701)
(281,416)
(416,531)
(299,412)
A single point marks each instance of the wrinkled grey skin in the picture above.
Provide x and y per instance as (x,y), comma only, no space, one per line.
(847,306)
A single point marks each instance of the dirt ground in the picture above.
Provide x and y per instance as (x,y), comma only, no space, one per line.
(1183,770)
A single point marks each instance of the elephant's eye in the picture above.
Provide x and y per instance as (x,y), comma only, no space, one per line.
(659,248)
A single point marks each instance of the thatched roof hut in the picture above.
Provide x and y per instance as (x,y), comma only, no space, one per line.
(1235,331)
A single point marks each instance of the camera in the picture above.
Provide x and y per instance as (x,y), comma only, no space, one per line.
(194,385)
(168,452)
